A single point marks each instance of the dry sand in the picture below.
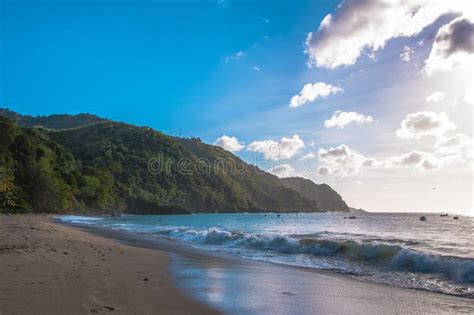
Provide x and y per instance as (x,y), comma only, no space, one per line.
(47,268)
(50,268)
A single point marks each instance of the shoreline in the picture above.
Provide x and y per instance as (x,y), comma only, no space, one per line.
(50,268)
(198,273)
(106,269)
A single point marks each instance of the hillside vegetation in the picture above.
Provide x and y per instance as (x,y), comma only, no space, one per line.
(84,163)
(326,197)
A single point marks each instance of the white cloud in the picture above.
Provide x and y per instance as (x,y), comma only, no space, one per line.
(370,162)
(309,156)
(344,161)
(310,92)
(286,148)
(229,143)
(455,149)
(340,119)
(323,170)
(368,24)
(284,170)
(453,46)
(435,97)
(418,159)
(456,141)
(406,54)
(234,56)
(469,96)
(417,125)
(257,69)
(223,3)
(451,150)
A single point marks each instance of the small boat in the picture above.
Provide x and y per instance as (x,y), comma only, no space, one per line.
(455,218)
(278,215)
(422,218)
(352,217)
(443,215)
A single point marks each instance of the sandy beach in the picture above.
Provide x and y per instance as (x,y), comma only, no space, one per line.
(48,267)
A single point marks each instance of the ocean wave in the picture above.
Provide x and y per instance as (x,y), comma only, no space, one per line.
(78,219)
(386,255)
(455,268)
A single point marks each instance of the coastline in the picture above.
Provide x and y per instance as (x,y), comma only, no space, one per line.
(106,269)
(236,285)
(49,268)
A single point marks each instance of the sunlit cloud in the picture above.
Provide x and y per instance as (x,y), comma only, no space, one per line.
(323,170)
(341,119)
(453,46)
(456,148)
(418,159)
(469,96)
(286,148)
(424,123)
(309,156)
(229,143)
(406,54)
(436,97)
(311,92)
(358,25)
(284,170)
(344,161)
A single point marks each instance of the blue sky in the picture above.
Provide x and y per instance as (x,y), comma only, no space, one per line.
(394,98)
(152,62)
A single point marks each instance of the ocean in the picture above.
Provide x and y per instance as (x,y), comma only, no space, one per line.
(397,249)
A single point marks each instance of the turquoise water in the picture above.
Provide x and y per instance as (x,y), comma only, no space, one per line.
(392,248)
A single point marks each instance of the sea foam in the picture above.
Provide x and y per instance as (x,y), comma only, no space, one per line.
(376,253)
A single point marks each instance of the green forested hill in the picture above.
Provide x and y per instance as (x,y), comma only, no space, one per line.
(53,121)
(261,187)
(326,197)
(105,166)
(125,152)
(36,174)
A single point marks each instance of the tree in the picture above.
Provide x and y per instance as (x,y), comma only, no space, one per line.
(7,202)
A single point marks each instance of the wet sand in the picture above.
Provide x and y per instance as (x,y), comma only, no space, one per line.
(240,286)
(47,268)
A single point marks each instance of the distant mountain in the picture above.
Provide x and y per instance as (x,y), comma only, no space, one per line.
(62,121)
(359,211)
(326,197)
(86,163)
